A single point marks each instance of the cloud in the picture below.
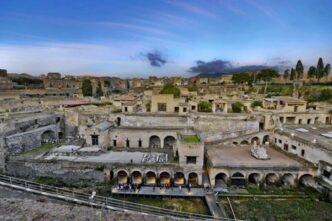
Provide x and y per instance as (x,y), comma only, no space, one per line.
(185,5)
(155,58)
(224,66)
(211,66)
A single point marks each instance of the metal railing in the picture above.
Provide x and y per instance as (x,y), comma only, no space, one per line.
(98,201)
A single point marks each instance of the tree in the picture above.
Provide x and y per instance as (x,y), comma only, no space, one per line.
(286,74)
(170,89)
(256,103)
(320,69)
(87,88)
(237,107)
(299,69)
(204,106)
(241,78)
(327,70)
(293,74)
(312,72)
(99,91)
(267,75)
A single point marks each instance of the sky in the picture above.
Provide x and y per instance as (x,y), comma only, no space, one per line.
(131,38)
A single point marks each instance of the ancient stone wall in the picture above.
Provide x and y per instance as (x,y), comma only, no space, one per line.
(72,175)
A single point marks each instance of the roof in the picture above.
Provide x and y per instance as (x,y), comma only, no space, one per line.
(289,100)
(219,101)
(125,97)
(232,156)
(318,136)
(104,125)
(74,102)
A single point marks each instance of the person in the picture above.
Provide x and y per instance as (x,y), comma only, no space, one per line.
(180,187)
(189,187)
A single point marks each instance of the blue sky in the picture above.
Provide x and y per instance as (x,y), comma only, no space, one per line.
(113,37)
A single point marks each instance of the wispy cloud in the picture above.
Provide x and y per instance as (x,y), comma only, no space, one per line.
(186,5)
(232,7)
(267,11)
(102,23)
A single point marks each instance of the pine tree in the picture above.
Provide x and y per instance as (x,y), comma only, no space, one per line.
(312,72)
(293,74)
(286,74)
(299,69)
(320,69)
(327,70)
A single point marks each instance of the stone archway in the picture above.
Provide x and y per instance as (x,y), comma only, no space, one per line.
(169,142)
(307,180)
(179,179)
(266,139)
(254,178)
(193,179)
(136,177)
(164,178)
(255,140)
(150,178)
(220,180)
(48,136)
(154,142)
(122,177)
(271,179)
(237,179)
(288,179)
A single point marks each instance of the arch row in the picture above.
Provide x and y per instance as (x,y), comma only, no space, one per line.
(152,178)
(224,179)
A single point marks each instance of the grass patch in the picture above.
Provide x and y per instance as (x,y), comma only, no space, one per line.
(191,205)
(307,191)
(38,150)
(281,209)
(191,139)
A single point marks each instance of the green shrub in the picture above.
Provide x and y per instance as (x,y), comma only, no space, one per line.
(204,106)
(237,107)
(256,104)
(170,89)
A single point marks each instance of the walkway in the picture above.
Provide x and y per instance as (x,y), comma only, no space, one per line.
(217,210)
(175,191)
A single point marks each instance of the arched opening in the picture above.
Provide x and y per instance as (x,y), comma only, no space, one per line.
(266,139)
(221,180)
(316,120)
(307,180)
(179,179)
(164,178)
(154,142)
(118,121)
(244,142)
(151,178)
(169,142)
(238,179)
(122,177)
(255,140)
(254,178)
(235,143)
(271,178)
(48,137)
(193,179)
(136,177)
(288,179)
